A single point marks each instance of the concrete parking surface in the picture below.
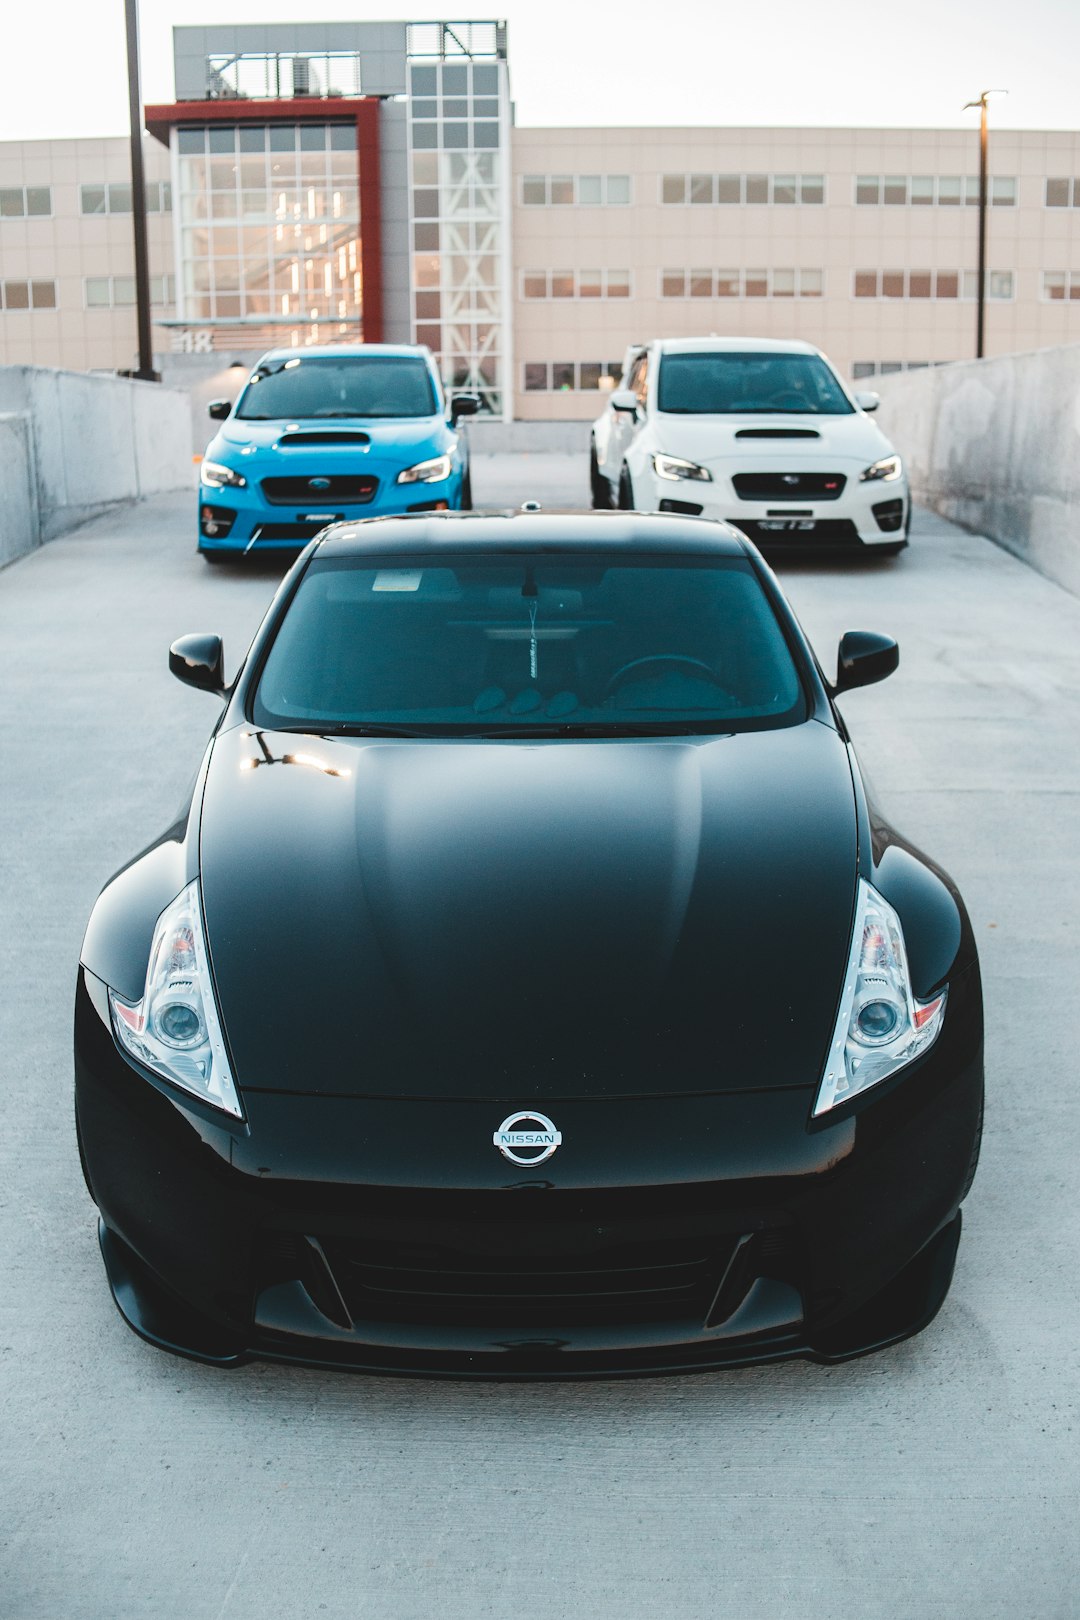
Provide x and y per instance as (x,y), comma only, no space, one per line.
(936,1479)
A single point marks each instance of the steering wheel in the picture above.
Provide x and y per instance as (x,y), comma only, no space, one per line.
(791,395)
(697,664)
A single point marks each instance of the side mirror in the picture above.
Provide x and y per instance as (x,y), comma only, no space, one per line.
(199,661)
(463,405)
(865,657)
(219,409)
(868,401)
(624,399)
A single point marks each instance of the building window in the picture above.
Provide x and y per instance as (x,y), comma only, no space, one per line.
(566,190)
(575,284)
(923,190)
(118,292)
(269,228)
(567,376)
(1063,193)
(705,190)
(1058,285)
(25,202)
(930,284)
(708,283)
(115,198)
(885,368)
(16,295)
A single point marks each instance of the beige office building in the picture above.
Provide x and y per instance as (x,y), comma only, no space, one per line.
(528,259)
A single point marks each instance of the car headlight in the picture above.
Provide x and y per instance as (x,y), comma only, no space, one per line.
(218,476)
(880,1027)
(675,468)
(427,472)
(888,469)
(174,1029)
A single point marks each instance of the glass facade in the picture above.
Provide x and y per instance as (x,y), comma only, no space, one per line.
(458,153)
(270,229)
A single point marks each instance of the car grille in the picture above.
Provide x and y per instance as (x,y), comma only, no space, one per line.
(439,1283)
(350,489)
(768,486)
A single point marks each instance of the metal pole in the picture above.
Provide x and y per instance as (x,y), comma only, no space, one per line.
(980,319)
(138,198)
(980,294)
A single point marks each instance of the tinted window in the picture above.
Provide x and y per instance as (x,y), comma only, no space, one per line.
(726,384)
(375,385)
(492,643)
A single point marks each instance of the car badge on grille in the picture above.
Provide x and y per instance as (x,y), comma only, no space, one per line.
(527,1138)
(318,483)
(791,478)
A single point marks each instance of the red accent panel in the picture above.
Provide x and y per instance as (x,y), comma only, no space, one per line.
(361,110)
(367,152)
(297,110)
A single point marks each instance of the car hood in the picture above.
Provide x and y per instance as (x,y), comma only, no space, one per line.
(714,440)
(528,921)
(247,444)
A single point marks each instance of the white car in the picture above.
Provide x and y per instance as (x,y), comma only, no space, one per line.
(758,432)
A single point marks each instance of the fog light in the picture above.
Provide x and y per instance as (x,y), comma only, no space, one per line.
(216,520)
(889,515)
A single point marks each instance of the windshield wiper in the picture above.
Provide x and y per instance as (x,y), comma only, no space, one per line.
(358,728)
(610,728)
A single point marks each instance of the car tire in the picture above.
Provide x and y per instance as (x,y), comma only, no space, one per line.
(466,491)
(599,488)
(626,491)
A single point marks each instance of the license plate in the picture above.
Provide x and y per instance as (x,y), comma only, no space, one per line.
(786,525)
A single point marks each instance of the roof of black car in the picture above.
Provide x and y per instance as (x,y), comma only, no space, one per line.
(428,532)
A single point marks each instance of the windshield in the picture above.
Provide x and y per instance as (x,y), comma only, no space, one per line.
(739,383)
(345,385)
(529,645)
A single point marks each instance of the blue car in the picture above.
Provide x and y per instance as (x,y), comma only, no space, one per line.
(361,430)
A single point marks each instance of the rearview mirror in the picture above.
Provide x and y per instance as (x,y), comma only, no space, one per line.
(219,409)
(864,657)
(868,401)
(624,399)
(199,660)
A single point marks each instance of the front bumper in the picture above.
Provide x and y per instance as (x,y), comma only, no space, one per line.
(870,515)
(234,521)
(296,1234)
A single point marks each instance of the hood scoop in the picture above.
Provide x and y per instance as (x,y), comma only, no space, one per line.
(290,441)
(777,433)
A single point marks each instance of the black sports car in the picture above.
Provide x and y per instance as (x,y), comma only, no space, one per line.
(530,986)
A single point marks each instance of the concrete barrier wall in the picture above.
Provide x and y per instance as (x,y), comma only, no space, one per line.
(18,488)
(91,442)
(995,445)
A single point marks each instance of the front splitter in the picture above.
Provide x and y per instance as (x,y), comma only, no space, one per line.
(907,1305)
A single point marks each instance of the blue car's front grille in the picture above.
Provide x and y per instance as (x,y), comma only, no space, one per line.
(343,489)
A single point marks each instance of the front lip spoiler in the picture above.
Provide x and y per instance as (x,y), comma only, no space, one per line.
(903,1308)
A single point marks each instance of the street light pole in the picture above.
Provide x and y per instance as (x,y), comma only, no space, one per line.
(138,198)
(980,291)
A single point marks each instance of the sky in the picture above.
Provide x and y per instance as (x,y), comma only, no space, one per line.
(612,62)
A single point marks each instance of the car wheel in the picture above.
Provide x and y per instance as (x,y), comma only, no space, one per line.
(599,487)
(466,491)
(626,491)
